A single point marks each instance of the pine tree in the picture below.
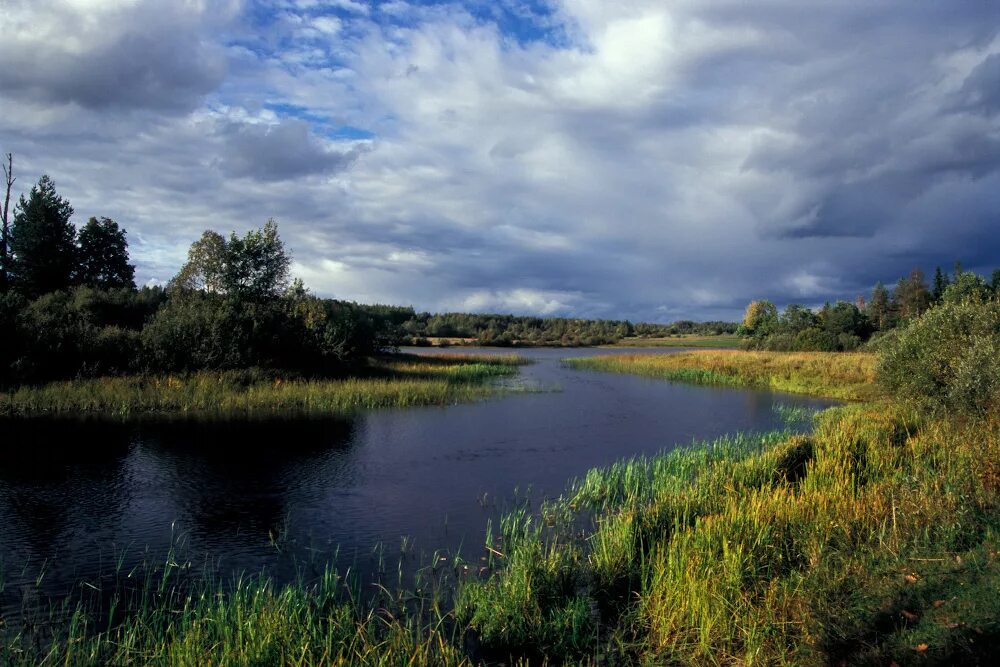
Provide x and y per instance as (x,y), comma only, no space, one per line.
(103,256)
(42,241)
(941,283)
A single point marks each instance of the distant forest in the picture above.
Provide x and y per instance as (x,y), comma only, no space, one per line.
(504,330)
(845,326)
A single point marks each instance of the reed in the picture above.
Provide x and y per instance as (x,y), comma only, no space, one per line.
(401,381)
(846,376)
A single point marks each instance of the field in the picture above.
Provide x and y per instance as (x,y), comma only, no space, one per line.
(396,381)
(681,340)
(832,375)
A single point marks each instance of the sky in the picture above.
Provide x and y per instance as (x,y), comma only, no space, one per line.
(635,159)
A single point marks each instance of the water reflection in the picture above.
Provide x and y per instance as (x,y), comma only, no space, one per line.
(279,493)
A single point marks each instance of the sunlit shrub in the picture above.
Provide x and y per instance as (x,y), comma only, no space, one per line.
(948,358)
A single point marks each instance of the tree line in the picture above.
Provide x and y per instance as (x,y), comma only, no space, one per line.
(69,306)
(513,330)
(845,326)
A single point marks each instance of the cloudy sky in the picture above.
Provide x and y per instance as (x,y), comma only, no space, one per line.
(643,159)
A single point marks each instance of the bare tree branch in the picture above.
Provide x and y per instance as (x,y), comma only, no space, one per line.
(8,172)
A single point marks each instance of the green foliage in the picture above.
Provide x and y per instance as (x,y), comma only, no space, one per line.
(760,320)
(254,266)
(967,285)
(42,241)
(948,358)
(911,296)
(880,309)
(58,334)
(103,256)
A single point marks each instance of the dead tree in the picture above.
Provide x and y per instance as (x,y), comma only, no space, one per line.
(8,172)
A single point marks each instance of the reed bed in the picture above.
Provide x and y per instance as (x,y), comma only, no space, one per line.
(401,381)
(845,376)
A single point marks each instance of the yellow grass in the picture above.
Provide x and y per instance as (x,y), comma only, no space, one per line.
(845,376)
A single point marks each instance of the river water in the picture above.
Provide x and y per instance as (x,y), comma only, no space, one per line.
(80,498)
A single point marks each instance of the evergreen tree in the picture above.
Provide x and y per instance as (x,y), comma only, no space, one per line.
(103,256)
(941,283)
(42,241)
(995,281)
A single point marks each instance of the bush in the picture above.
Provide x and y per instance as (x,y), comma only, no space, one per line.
(948,358)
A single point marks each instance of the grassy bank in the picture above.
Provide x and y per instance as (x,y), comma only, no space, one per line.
(828,374)
(396,381)
(871,541)
(681,340)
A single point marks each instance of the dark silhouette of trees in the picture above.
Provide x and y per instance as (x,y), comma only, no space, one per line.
(103,256)
(43,241)
(940,284)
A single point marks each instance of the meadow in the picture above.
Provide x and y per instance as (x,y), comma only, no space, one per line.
(681,340)
(391,381)
(845,376)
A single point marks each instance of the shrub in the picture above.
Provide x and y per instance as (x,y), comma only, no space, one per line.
(948,358)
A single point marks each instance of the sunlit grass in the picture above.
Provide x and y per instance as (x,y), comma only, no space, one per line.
(847,544)
(873,540)
(847,376)
(397,381)
(683,340)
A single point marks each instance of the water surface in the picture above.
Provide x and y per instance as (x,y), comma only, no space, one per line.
(292,495)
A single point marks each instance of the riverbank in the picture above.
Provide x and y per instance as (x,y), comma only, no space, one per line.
(391,381)
(873,540)
(844,376)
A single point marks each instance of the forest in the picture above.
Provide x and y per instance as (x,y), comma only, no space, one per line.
(864,324)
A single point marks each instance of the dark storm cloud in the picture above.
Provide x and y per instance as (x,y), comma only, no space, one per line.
(106,55)
(283,151)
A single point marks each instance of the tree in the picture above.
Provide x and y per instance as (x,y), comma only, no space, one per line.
(42,241)
(940,285)
(995,281)
(8,172)
(760,319)
(967,285)
(254,266)
(797,318)
(257,264)
(880,308)
(911,295)
(103,256)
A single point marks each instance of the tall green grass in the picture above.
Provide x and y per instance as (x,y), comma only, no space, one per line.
(847,544)
(847,376)
(400,381)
